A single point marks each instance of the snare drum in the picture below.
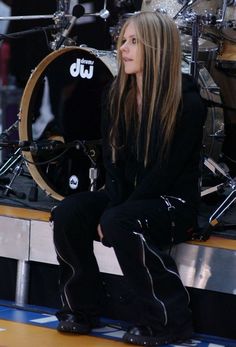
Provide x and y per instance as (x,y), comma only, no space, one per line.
(75,78)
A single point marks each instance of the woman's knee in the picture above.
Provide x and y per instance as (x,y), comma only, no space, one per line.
(113,222)
(64,211)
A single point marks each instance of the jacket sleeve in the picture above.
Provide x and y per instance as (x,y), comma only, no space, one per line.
(186,143)
(114,173)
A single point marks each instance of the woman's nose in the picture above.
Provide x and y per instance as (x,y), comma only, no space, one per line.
(124,46)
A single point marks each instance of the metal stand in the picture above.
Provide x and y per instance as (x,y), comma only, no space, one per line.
(230,184)
(213,220)
(22,282)
(14,163)
(89,149)
(7,189)
(194,71)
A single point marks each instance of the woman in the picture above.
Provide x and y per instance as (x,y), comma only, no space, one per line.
(152,133)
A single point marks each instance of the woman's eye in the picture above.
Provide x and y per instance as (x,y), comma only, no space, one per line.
(123,42)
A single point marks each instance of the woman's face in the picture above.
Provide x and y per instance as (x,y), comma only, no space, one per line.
(131,51)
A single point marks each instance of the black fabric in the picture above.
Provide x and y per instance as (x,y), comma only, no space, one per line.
(178,175)
(135,221)
(129,228)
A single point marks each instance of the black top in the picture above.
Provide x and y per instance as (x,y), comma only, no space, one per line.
(178,176)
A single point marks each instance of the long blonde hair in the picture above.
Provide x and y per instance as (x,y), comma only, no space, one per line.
(160,49)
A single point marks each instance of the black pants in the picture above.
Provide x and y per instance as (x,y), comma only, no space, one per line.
(137,230)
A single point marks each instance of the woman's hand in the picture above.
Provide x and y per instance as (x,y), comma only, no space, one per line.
(99,230)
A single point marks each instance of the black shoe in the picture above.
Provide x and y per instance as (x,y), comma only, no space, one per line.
(79,323)
(147,336)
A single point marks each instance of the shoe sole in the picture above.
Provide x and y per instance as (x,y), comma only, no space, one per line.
(65,327)
(157,341)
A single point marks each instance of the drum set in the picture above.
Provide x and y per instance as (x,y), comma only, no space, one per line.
(60,109)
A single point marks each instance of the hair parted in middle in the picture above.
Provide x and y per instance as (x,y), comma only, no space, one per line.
(159,45)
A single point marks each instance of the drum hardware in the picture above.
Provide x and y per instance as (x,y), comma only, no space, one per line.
(184,8)
(20,34)
(13,165)
(16,162)
(4,137)
(228,187)
(77,12)
(63,22)
(91,153)
(63,6)
(89,148)
(194,71)
(41,147)
(104,13)
(7,189)
(213,220)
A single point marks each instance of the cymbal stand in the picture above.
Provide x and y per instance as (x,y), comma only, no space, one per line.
(194,71)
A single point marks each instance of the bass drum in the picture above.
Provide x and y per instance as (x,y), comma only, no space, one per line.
(213,133)
(60,116)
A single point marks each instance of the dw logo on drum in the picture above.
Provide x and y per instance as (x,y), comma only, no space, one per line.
(73,182)
(78,68)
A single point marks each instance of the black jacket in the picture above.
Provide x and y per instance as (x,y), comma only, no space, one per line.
(179,176)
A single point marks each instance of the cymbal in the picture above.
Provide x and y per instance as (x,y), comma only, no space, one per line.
(203,45)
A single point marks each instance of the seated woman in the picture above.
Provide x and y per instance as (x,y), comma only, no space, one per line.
(152,137)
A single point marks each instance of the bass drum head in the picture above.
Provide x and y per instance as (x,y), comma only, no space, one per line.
(60,116)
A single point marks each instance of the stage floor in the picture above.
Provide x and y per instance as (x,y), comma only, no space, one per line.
(36,326)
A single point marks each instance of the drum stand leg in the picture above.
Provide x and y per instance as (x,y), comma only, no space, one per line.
(17,161)
(215,168)
(213,220)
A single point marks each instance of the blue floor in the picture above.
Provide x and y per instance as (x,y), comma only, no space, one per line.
(45,317)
